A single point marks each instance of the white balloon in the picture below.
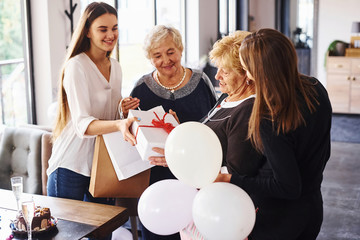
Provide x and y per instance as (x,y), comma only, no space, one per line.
(121,233)
(223,211)
(193,153)
(165,207)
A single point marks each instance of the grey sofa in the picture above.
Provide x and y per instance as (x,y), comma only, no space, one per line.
(22,150)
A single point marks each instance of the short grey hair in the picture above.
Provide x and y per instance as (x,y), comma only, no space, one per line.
(159,33)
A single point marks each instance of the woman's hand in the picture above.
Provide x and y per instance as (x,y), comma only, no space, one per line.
(223,177)
(158,160)
(174,115)
(129,103)
(124,126)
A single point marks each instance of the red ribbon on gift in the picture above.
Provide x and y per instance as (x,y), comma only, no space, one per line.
(159,123)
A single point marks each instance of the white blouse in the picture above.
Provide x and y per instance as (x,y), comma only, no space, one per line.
(90,97)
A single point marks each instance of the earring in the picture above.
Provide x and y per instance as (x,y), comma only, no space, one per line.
(247,82)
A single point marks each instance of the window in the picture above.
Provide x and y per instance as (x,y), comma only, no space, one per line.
(16,106)
(172,13)
(136,18)
(227,16)
(305,20)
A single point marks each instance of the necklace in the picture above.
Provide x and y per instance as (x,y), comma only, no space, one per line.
(171,89)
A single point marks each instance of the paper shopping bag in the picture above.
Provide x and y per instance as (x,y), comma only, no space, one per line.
(104,182)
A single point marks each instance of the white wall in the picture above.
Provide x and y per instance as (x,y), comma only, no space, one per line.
(335,18)
(41,58)
(60,35)
(192,32)
(50,35)
(208,25)
(263,13)
(201,29)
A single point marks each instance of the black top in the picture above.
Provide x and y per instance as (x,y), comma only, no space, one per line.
(231,126)
(287,187)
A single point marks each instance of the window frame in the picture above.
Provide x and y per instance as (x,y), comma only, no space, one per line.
(28,61)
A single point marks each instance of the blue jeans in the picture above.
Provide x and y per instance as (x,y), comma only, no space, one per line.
(65,183)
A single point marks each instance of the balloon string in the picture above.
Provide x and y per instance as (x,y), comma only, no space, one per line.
(160,123)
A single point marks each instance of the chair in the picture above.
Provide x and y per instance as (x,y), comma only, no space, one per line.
(131,204)
(20,155)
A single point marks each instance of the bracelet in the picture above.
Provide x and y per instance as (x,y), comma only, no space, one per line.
(120,109)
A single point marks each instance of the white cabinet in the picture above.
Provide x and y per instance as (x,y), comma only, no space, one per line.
(343,84)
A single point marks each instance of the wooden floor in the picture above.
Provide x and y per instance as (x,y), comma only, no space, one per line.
(341,193)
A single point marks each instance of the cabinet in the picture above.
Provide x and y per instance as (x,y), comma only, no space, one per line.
(343,84)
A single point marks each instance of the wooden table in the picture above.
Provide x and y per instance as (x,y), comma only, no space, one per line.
(87,219)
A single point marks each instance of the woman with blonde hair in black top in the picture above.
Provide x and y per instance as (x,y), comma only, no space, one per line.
(290,125)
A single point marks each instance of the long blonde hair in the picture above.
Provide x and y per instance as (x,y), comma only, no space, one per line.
(79,43)
(271,59)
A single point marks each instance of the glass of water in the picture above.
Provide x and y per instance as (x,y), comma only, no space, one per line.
(28,211)
(17,188)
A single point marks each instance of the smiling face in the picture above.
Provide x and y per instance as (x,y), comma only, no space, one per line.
(166,57)
(230,81)
(103,32)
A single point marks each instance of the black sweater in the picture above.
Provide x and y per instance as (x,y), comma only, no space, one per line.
(287,187)
(231,127)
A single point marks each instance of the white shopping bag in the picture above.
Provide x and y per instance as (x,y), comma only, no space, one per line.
(124,157)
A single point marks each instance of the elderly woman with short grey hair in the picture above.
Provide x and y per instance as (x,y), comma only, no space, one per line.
(186,91)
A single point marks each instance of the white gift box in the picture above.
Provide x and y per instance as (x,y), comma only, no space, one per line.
(147,135)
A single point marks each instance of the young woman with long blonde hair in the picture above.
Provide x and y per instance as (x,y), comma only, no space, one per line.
(88,100)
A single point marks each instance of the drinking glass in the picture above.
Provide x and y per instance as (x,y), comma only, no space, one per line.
(28,210)
(17,188)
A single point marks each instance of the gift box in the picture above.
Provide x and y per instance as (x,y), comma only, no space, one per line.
(152,130)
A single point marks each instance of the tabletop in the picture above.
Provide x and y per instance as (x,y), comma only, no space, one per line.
(89,219)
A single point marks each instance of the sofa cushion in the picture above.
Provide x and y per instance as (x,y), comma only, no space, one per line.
(20,155)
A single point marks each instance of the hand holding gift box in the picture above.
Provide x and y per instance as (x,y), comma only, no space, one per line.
(152,130)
